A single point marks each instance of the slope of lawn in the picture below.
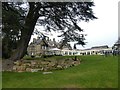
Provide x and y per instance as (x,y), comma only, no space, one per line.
(93,72)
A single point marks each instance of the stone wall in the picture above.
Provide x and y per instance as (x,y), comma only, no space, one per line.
(44,65)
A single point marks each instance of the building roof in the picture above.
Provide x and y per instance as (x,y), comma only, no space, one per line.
(55,49)
(100,47)
(50,43)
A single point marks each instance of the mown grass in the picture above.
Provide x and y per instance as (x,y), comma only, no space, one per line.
(93,72)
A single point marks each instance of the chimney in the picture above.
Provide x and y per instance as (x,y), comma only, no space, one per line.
(34,40)
(54,39)
(47,38)
(38,38)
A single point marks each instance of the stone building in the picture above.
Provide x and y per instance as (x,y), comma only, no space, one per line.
(45,46)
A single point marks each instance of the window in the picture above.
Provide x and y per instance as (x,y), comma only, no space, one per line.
(42,47)
(70,53)
(66,53)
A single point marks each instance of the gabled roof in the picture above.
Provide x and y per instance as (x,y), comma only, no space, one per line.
(38,41)
(51,44)
(67,46)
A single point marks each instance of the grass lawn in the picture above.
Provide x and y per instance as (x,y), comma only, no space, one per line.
(93,72)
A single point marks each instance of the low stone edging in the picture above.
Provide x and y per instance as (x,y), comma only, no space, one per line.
(44,65)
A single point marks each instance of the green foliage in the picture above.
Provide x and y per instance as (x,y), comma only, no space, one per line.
(93,72)
(65,16)
(18,23)
(11,29)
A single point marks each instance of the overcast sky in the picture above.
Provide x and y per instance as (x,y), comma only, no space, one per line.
(104,30)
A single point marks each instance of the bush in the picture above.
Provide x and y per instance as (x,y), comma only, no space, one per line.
(45,56)
(32,56)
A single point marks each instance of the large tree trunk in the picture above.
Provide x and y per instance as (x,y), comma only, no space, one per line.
(29,25)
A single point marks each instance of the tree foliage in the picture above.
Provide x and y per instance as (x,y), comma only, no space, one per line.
(66,16)
(62,16)
(11,28)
